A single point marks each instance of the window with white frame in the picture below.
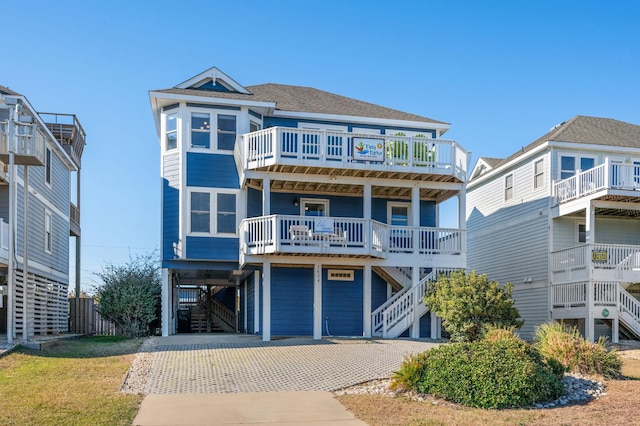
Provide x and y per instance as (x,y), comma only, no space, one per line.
(48,231)
(508,187)
(171,131)
(213,212)
(47,166)
(200,130)
(314,207)
(226,131)
(399,214)
(569,164)
(253,126)
(582,233)
(538,174)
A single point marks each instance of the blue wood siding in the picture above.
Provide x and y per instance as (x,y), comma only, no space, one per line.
(282,203)
(427,211)
(290,122)
(254,203)
(228,297)
(170,205)
(212,248)
(251,312)
(291,301)
(212,171)
(378,291)
(342,309)
(425,325)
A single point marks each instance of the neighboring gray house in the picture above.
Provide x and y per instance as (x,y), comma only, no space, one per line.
(560,220)
(40,151)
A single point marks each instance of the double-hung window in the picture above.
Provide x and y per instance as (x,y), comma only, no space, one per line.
(200,212)
(538,174)
(171,131)
(200,130)
(508,187)
(47,166)
(48,231)
(226,131)
(226,214)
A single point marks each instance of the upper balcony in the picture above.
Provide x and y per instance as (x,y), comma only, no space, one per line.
(608,181)
(306,151)
(24,140)
(68,131)
(351,237)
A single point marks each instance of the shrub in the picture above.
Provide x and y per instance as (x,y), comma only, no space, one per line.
(469,304)
(565,344)
(503,373)
(130,294)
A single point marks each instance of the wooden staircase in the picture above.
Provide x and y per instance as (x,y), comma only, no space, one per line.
(222,319)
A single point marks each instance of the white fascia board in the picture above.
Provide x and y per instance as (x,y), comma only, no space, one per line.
(363,120)
(503,167)
(344,180)
(210,100)
(155,109)
(213,73)
(591,147)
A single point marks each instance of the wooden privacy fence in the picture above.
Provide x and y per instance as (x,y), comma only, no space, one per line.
(91,322)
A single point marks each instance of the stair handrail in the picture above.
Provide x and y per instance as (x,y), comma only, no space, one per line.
(223,313)
(629,304)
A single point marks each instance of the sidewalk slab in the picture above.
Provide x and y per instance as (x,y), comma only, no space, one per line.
(266,408)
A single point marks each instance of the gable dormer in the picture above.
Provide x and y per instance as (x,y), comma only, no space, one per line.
(213,80)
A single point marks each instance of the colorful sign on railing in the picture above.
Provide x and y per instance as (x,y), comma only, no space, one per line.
(368,149)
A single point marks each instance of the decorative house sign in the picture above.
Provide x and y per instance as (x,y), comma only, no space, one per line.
(368,149)
(599,256)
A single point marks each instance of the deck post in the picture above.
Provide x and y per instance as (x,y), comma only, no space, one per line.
(366,301)
(256,302)
(414,330)
(317,301)
(266,301)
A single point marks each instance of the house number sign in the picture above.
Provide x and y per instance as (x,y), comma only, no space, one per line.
(605,313)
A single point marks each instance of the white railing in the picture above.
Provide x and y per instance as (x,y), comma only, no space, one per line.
(223,313)
(569,295)
(402,306)
(605,176)
(616,257)
(605,293)
(4,239)
(27,140)
(284,145)
(629,305)
(341,235)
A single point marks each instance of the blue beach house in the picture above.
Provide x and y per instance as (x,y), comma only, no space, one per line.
(291,211)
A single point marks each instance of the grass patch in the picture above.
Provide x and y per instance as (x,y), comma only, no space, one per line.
(73,382)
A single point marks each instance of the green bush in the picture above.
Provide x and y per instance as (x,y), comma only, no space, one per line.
(501,373)
(565,345)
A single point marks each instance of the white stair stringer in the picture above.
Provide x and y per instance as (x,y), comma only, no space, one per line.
(629,311)
(402,310)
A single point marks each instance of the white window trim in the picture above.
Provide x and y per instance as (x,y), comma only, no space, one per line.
(191,130)
(213,134)
(50,167)
(324,201)
(577,232)
(409,133)
(317,126)
(504,187)
(213,212)
(536,175)
(577,157)
(48,236)
(392,204)
(164,131)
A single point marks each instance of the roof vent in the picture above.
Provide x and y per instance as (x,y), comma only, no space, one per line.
(557,125)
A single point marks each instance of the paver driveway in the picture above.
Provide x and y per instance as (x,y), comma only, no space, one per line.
(243,363)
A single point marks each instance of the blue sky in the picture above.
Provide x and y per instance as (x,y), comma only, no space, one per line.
(502,73)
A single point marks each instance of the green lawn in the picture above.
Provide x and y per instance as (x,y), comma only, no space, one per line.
(75,382)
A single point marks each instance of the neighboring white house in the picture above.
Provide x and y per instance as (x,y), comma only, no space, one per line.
(40,152)
(560,219)
(289,210)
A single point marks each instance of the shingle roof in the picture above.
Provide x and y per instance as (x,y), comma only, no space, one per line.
(491,162)
(588,130)
(308,99)
(6,91)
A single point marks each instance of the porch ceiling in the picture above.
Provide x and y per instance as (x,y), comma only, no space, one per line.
(334,186)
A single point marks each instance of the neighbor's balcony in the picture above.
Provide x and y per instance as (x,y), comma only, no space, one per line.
(596,262)
(316,149)
(25,141)
(351,237)
(606,177)
(66,128)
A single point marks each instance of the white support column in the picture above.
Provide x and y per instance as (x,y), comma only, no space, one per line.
(256,302)
(436,329)
(414,330)
(366,301)
(415,206)
(462,208)
(165,302)
(266,197)
(266,301)
(317,301)
(245,326)
(615,330)
(590,223)
(366,202)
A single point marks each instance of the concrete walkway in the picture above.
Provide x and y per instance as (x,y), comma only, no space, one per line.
(238,379)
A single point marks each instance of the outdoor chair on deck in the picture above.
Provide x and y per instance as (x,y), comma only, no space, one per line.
(300,234)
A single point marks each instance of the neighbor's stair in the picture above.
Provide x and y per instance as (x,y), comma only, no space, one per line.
(629,311)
